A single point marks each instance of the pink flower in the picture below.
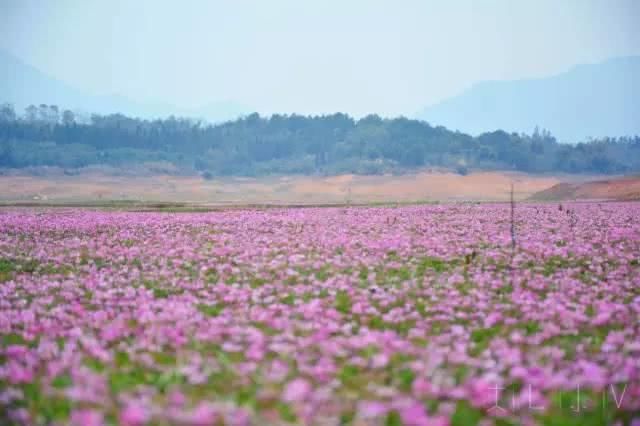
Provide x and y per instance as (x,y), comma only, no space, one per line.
(414,415)
(134,415)
(371,409)
(86,418)
(16,351)
(176,398)
(296,390)
(19,373)
(457,330)
(277,371)
(593,374)
(255,353)
(112,331)
(379,360)
(238,417)
(202,415)
(492,319)
(421,387)
(480,393)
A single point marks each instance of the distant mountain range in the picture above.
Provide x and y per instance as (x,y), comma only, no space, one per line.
(593,100)
(22,85)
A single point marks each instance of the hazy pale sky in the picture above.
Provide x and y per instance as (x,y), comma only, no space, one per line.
(388,57)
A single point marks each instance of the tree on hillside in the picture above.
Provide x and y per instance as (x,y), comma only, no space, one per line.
(281,144)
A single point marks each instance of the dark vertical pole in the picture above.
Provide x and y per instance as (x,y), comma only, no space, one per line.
(513,223)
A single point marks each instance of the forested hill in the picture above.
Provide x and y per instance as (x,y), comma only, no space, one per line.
(292,144)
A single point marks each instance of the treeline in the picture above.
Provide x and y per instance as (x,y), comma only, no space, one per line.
(281,144)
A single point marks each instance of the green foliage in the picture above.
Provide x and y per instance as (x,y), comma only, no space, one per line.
(210,310)
(61,381)
(50,409)
(161,293)
(406,377)
(6,265)
(289,299)
(292,144)
(531,327)
(13,339)
(481,337)
(377,323)
(343,302)
(323,274)
(6,269)
(465,415)
(393,419)
(286,412)
(121,359)
(438,265)
(348,374)
(401,274)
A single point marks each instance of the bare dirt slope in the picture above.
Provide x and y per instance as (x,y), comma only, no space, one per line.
(625,188)
(424,186)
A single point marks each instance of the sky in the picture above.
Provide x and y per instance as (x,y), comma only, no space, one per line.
(311,57)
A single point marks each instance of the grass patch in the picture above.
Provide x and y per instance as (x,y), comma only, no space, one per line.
(406,376)
(62,381)
(465,415)
(286,412)
(348,374)
(481,338)
(343,302)
(50,409)
(210,310)
(6,266)
(438,265)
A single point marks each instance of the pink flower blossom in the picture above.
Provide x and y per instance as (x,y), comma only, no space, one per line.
(86,418)
(297,390)
(134,414)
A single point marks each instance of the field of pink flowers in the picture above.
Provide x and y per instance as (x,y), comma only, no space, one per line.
(423,315)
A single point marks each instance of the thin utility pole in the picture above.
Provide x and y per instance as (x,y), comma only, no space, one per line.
(513,223)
